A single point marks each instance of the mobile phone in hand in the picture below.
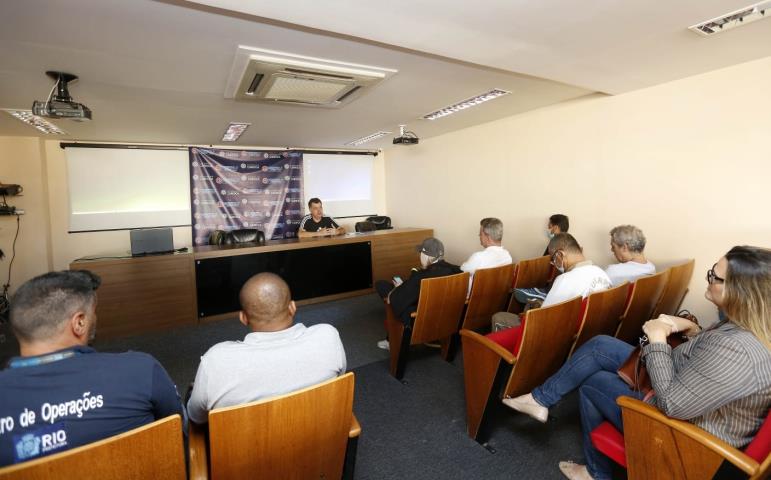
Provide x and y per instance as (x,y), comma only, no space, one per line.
(398,280)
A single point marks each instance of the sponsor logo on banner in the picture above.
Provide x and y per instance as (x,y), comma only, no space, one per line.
(271,203)
(292,212)
(289,234)
(243,165)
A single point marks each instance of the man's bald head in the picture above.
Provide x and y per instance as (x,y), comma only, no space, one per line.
(265,300)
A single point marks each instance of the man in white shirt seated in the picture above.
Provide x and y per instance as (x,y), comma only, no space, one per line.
(578,278)
(627,243)
(277,357)
(494,255)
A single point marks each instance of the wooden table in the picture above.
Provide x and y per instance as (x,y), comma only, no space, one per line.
(150,293)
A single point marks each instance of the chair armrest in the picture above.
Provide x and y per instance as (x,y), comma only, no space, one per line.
(505,355)
(198,451)
(355,427)
(719,447)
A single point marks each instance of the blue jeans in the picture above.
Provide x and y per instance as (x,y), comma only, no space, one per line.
(592,369)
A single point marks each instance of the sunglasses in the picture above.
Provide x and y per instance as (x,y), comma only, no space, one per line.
(712,276)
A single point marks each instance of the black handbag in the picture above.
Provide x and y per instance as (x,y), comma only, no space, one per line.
(381,222)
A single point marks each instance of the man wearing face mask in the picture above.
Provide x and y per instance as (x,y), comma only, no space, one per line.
(558,223)
(404,297)
(578,276)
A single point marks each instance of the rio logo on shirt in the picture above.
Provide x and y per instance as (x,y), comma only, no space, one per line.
(39,442)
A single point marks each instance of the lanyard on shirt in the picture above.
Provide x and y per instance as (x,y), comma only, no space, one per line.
(41,360)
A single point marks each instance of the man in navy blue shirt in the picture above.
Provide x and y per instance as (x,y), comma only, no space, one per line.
(60,393)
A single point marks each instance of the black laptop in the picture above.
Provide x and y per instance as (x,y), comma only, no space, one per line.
(151,241)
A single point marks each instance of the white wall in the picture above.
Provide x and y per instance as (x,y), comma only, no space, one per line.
(689,162)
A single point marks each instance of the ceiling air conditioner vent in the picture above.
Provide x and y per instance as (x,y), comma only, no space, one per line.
(268,76)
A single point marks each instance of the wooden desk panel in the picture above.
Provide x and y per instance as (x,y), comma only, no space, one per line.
(159,292)
(138,295)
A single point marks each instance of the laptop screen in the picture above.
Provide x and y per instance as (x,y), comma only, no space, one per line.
(151,240)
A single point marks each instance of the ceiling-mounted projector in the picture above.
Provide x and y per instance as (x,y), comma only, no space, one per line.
(60,104)
(406,137)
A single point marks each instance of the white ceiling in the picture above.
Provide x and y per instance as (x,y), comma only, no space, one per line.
(156,71)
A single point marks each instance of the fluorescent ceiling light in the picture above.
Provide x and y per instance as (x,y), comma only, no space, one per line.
(734,19)
(469,102)
(39,123)
(235,129)
(368,138)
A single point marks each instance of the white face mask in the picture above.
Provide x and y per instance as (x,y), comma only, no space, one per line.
(561,268)
(425,260)
(549,234)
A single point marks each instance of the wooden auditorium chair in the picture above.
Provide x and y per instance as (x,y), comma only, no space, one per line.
(531,273)
(601,314)
(645,295)
(489,293)
(437,318)
(656,447)
(150,451)
(310,433)
(677,287)
(491,371)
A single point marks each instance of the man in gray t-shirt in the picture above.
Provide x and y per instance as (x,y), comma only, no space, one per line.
(277,357)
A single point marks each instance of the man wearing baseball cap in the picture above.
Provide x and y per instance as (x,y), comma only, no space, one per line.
(403,297)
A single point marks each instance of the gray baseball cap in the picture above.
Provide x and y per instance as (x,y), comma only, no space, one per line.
(431,247)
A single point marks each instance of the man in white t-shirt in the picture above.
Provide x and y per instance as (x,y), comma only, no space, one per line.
(579,277)
(627,243)
(277,357)
(494,255)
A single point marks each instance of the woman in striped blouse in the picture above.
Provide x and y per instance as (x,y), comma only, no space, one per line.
(719,380)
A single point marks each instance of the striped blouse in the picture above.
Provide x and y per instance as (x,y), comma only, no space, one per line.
(720,380)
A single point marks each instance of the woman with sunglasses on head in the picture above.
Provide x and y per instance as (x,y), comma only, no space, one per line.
(719,380)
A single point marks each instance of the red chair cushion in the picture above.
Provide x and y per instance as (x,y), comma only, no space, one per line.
(610,442)
(760,446)
(510,339)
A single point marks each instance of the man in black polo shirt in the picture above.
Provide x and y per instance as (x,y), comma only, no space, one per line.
(60,394)
(315,224)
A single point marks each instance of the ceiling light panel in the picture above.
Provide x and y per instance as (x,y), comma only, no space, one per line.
(234,130)
(39,123)
(468,103)
(368,138)
(738,18)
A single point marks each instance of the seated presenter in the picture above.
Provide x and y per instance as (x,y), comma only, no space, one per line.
(315,224)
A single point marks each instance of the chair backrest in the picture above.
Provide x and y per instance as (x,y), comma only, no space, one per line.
(677,286)
(642,301)
(299,435)
(150,451)
(489,294)
(533,272)
(602,314)
(546,341)
(440,307)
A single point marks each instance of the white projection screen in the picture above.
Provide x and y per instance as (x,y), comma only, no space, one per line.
(122,188)
(344,183)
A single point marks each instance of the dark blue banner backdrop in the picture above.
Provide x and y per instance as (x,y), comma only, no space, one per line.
(233,189)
